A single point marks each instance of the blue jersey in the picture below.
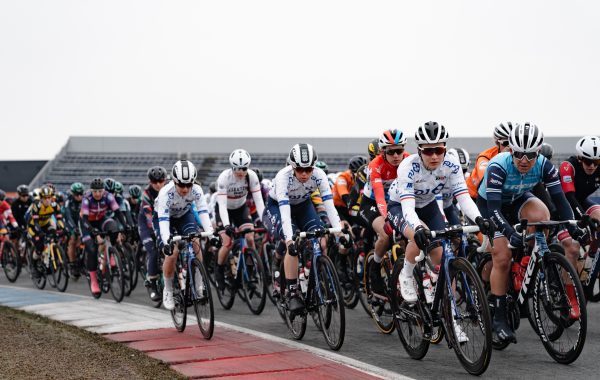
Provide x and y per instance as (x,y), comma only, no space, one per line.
(502,181)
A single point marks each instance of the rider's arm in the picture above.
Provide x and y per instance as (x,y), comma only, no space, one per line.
(495,180)
(60,224)
(460,192)
(281,196)
(114,206)
(222,198)
(327,198)
(256,190)
(162,207)
(553,184)
(567,180)
(377,185)
(147,210)
(202,208)
(70,224)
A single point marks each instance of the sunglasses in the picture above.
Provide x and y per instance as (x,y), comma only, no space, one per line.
(530,156)
(437,150)
(391,152)
(502,142)
(589,161)
(184,185)
(303,170)
(240,169)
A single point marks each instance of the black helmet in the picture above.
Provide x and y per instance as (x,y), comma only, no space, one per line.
(23,190)
(97,184)
(373,148)
(157,174)
(2,195)
(110,185)
(135,191)
(547,151)
(356,162)
(258,174)
(212,187)
(60,197)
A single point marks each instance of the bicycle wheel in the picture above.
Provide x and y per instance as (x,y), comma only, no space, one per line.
(267,256)
(468,324)
(551,307)
(411,323)
(128,251)
(360,282)
(126,269)
(59,269)
(227,295)
(115,274)
(380,308)
(296,324)
(11,262)
(253,282)
(202,299)
(330,303)
(345,267)
(180,297)
(593,289)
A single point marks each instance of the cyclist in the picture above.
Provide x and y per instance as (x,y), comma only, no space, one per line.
(501,134)
(413,209)
(463,158)
(382,172)
(20,205)
(234,185)
(157,177)
(45,218)
(342,186)
(116,189)
(6,211)
(448,201)
(580,177)
(360,180)
(70,212)
(289,207)
(505,196)
(174,210)
(94,218)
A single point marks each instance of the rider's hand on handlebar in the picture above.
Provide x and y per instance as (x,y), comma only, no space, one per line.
(515,240)
(165,249)
(486,226)
(421,237)
(230,230)
(215,241)
(292,250)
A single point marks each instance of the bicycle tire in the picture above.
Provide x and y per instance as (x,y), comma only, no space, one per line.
(60,271)
(348,288)
(410,324)
(227,295)
(202,300)
(39,282)
(475,317)
(378,307)
(360,275)
(332,304)
(114,274)
(267,258)
(11,261)
(297,325)
(556,287)
(131,265)
(253,282)
(180,297)
(279,299)
(126,269)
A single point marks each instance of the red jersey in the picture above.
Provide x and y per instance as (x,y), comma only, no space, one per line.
(381,174)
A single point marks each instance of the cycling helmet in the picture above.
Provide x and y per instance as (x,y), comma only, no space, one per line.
(588,147)
(135,191)
(97,184)
(239,158)
(23,190)
(526,138)
(46,192)
(323,166)
(391,137)
(373,148)
(36,194)
(2,195)
(212,187)
(462,156)
(502,130)
(51,185)
(77,188)
(60,197)
(303,156)
(184,172)
(431,133)
(157,174)
(118,187)
(356,162)
(258,174)
(109,185)
(547,151)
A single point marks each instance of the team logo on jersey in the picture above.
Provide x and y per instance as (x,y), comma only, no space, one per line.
(440,178)
(567,179)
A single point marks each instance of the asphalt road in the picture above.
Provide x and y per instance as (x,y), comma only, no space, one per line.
(527,359)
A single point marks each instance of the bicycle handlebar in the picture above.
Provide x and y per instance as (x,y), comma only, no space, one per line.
(451,232)
(317,233)
(191,236)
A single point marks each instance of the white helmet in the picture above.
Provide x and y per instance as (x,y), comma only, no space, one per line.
(462,156)
(526,138)
(303,155)
(184,172)
(502,130)
(431,133)
(239,158)
(589,147)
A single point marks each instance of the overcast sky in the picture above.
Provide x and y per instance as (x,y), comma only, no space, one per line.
(283,68)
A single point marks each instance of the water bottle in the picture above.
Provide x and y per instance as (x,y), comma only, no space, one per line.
(360,266)
(428,288)
(519,270)
(303,280)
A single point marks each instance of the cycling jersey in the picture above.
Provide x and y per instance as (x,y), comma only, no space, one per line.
(578,185)
(478,172)
(147,206)
(356,192)
(19,209)
(42,215)
(288,191)
(341,188)
(125,208)
(381,174)
(504,184)
(416,187)
(70,212)
(96,209)
(6,214)
(232,193)
(169,204)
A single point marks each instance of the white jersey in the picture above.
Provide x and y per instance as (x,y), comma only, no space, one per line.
(232,193)
(288,191)
(169,204)
(416,187)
